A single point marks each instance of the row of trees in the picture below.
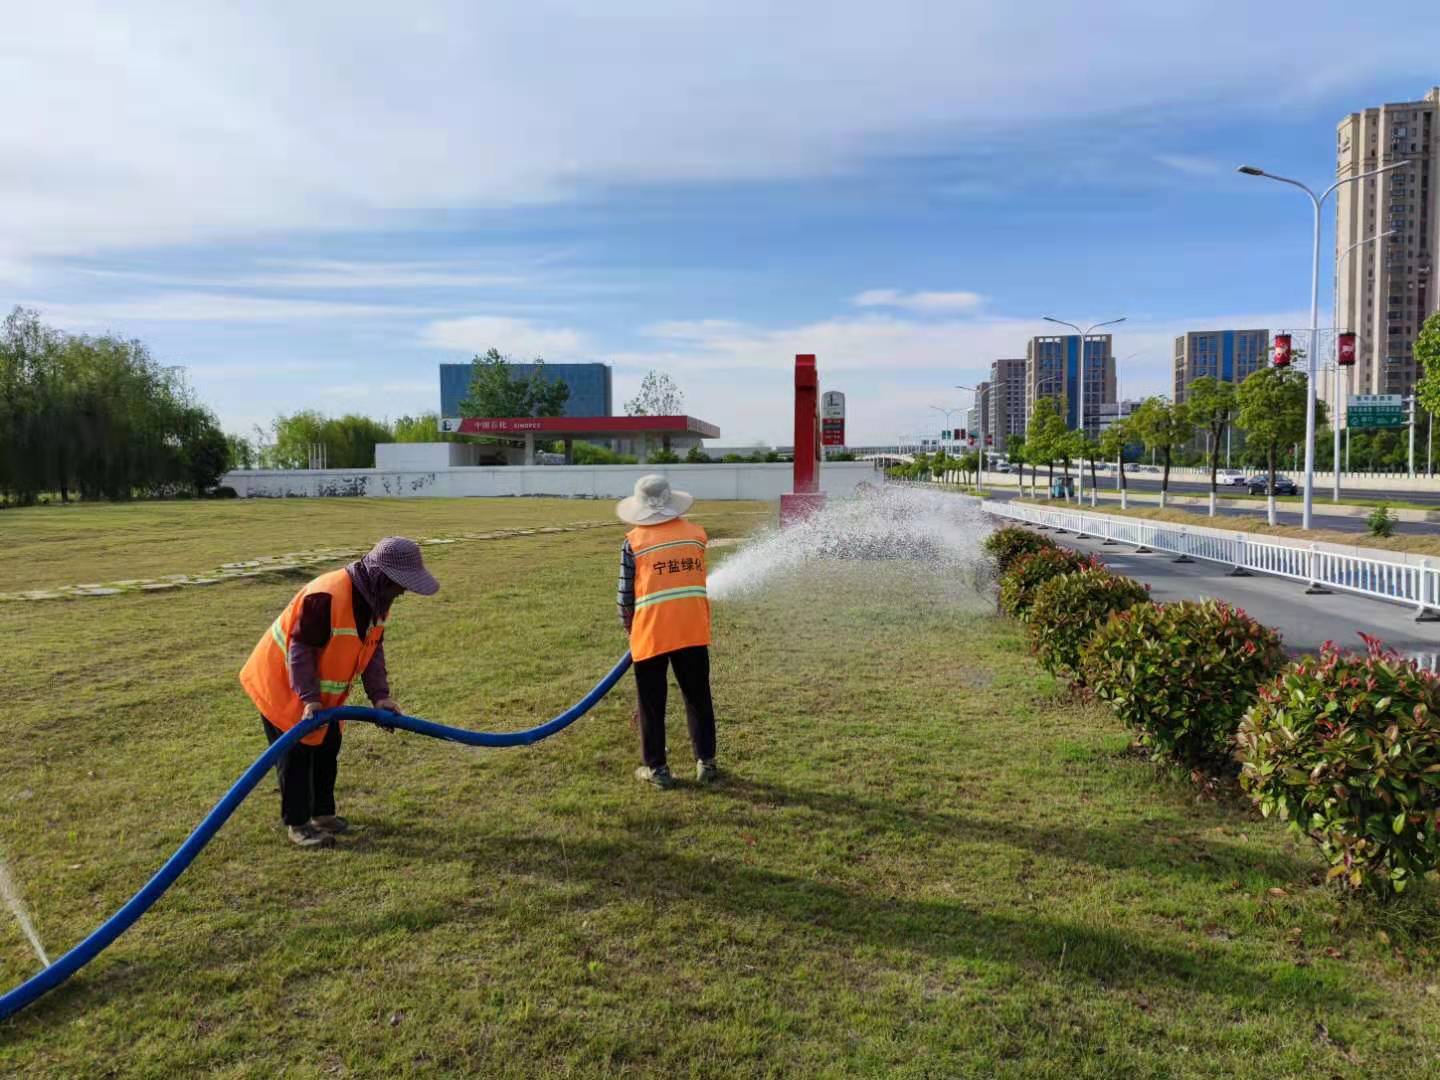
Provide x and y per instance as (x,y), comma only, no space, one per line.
(97,417)
(1269,407)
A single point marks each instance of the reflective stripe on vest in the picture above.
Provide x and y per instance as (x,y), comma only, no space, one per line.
(671,594)
(266,675)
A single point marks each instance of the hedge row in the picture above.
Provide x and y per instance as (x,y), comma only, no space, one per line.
(1345,747)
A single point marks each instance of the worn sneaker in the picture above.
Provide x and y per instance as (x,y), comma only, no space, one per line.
(307,836)
(660,777)
(706,772)
(330,823)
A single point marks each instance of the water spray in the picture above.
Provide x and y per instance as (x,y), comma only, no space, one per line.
(10,892)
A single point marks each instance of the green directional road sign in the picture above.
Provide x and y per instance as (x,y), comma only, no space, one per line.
(1376,411)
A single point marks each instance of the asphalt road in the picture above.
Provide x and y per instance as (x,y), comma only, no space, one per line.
(1151,482)
(1305,621)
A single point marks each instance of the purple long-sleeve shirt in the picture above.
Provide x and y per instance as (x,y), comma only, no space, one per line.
(312,633)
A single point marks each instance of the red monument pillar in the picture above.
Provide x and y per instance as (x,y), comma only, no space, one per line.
(805,497)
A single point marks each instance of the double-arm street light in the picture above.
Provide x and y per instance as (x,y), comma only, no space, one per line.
(1316,201)
(1080,389)
(948,413)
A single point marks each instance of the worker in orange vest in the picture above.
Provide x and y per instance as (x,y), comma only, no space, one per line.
(331,633)
(664,606)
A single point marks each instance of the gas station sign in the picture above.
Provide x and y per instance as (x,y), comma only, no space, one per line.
(832,418)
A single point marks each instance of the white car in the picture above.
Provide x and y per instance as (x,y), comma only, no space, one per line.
(1230,477)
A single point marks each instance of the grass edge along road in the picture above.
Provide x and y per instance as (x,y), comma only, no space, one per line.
(928,858)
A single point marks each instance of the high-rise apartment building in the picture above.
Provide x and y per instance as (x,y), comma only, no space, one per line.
(1226,355)
(982,413)
(1386,289)
(1005,409)
(1052,369)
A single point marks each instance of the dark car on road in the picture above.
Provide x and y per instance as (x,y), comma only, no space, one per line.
(1283,486)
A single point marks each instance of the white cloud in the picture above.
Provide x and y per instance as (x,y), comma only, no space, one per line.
(520,338)
(1187,163)
(919,301)
(337,274)
(207,307)
(154,123)
(892,369)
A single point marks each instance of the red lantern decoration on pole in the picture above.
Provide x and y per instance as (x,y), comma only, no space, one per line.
(1282,350)
(1345,350)
(989,440)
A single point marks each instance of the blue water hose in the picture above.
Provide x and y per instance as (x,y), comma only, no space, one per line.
(137,905)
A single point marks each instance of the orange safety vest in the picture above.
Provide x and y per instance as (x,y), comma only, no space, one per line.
(266,675)
(672,608)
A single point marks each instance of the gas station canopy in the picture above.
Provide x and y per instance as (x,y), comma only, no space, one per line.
(529,428)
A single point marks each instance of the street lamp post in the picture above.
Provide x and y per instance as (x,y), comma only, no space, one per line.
(980,448)
(1316,201)
(1080,389)
(1341,389)
(948,413)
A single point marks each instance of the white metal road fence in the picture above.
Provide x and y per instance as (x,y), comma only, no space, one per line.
(1381,575)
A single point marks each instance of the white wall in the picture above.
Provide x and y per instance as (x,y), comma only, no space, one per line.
(740,481)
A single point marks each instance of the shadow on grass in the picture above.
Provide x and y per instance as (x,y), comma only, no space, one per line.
(1136,846)
(640,869)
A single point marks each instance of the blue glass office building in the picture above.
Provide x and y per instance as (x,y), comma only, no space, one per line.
(1227,355)
(590,391)
(1052,369)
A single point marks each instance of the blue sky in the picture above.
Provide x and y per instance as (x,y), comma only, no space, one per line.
(314,206)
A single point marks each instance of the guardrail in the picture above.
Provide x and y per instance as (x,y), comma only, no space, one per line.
(1322,567)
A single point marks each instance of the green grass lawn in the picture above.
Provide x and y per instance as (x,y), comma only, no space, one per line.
(927,859)
(66,545)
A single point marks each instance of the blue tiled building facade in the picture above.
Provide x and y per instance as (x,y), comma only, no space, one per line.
(590,387)
(1225,355)
(1052,369)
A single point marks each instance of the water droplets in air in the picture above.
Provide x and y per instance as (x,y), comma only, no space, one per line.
(10,893)
(929,531)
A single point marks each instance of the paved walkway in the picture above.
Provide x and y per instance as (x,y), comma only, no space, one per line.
(1305,621)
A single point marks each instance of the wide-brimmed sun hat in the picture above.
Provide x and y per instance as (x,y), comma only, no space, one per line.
(398,558)
(653,502)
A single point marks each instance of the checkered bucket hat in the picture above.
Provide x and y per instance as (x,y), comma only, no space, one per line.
(398,558)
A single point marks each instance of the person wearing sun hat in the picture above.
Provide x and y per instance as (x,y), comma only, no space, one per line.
(666,610)
(330,633)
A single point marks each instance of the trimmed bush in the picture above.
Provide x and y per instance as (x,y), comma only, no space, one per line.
(1381,522)
(1182,675)
(1346,748)
(1029,572)
(1068,609)
(1006,545)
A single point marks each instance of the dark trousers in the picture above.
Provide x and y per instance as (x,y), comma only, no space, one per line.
(307,775)
(692,672)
